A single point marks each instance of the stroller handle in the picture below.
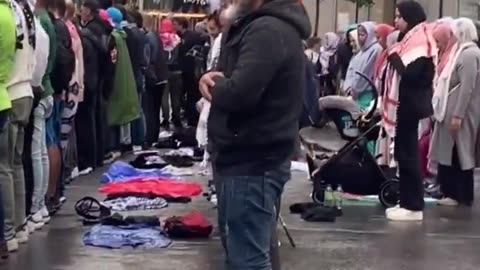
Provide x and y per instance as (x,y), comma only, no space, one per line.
(370,113)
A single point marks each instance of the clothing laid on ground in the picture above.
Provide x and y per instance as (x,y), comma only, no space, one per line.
(192,225)
(137,236)
(135,203)
(152,186)
(121,171)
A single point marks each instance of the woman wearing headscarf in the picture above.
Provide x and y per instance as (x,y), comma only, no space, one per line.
(456,111)
(406,99)
(363,62)
(345,52)
(327,66)
(382,32)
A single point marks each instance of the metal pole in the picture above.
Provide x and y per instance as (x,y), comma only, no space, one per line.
(440,9)
(317,17)
(356,11)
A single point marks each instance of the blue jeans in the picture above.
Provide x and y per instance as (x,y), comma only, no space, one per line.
(40,162)
(247,216)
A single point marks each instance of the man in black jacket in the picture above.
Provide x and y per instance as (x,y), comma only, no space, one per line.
(190,39)
(98,70)
(257,98)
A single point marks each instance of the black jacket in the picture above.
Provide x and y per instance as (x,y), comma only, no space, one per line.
(253,121)
(95,35)
(416,90)
(157,69)
(65,61)
(190,39)
(136,42)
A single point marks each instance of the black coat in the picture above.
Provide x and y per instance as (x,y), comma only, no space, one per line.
(416,89)
(253,121)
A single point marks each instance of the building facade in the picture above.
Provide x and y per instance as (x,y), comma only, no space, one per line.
(336,15)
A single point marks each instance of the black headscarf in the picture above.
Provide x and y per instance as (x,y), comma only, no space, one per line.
(413,13)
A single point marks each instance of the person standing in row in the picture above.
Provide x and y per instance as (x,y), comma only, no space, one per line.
(253,122)
(407,99)
(455,137)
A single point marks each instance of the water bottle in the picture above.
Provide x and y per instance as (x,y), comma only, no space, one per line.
(329,200)
(338,197)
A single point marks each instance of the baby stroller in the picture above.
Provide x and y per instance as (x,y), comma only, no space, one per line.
(338,155)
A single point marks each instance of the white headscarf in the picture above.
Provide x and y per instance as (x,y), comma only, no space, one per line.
(331,44)
(465,30)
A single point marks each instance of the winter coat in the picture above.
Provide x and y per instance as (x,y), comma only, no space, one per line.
(462,102)
(253,123)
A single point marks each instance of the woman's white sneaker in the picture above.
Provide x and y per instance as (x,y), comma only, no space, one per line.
(447,202)
(392,208)
(402,214)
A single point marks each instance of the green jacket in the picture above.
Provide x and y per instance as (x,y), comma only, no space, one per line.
(47,24)
(7,51)
(123,104)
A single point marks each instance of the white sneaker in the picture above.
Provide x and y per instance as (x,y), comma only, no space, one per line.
(392,208)
(35,221)
(45,215)
(137,149)
(447,202)
(86,171)
(22,235)
(12,245)
(75,173)
(402,214)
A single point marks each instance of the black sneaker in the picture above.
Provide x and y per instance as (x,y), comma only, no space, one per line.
(3,250)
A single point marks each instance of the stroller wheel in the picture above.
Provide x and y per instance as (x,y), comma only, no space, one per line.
(317,197)
(389,193)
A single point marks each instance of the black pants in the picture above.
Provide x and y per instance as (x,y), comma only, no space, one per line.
(192,93)
(86,131)
(175,87)
(408,159)
(152,102)
(456,183)
(100,129)
(27,164)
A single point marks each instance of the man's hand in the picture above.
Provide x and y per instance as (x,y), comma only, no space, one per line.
(455,125)
(207,83)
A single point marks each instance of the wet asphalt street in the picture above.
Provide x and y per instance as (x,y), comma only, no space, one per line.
(361,240)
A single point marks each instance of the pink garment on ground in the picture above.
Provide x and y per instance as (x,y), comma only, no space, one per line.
(157,186)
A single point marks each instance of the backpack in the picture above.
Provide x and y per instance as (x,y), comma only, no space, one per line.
(65,60)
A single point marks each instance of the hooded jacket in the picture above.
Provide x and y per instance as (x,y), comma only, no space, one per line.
(7,51)
(253,121)
(363,62)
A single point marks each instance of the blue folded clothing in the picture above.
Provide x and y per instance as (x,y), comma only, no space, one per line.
(122,172)
(140,236)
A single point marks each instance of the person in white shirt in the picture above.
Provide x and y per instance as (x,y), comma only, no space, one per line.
(12,140)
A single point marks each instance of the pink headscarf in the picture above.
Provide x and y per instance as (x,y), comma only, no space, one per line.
(104,16)
(167,34)
(382,30)
(445,38)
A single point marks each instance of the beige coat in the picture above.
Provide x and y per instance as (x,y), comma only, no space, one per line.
(464,102)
